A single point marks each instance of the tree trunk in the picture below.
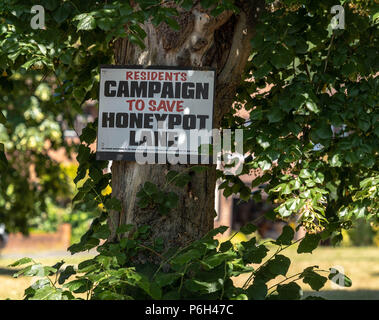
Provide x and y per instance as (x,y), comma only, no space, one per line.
(221,42)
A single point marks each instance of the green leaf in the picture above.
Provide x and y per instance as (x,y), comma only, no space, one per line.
(150,188)
(279,265)
(248,228)
(198,169)
(83,153)
(305,174)
(315,281)
(35,270)
(202,286)
(21,262)
(186,257)
(66,273)
(182,180)
(165,279)
(62,13)
(206,3)
(324,131)
(252,253)
(309,243)
(29,63)
(58,265)
(86,22)
(124,228)
(88,135)
(105,23)
(286,237)
(262,71)
(275,115)
(216,231)
(155,291)
(47,293)
(172,23)
(172,200)
(79,285)
(257,291)
(290,291)
(335,161)
(102,233)
(113,204)
(187,4)
(218,258)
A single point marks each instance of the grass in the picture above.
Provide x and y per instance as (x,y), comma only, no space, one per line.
(361,264)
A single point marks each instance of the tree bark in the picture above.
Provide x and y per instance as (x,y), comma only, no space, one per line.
(221,42)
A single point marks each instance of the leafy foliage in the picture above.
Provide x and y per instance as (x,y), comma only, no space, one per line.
(311,93)
(202,270)
(313,135)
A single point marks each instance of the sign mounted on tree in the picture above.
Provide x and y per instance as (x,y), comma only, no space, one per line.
(154,114)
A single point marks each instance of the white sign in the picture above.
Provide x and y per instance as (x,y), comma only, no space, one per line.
(159,110)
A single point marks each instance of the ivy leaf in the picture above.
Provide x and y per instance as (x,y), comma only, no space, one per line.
(113,204)
(150,188)
(172,200)
(124,228)
(172,23)
(182,180)
(309,243)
